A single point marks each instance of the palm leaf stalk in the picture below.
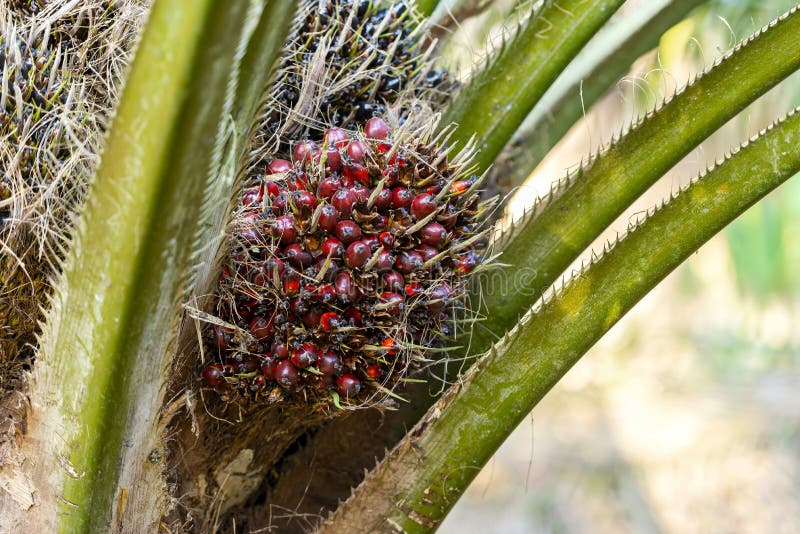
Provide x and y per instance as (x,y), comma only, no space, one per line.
(415,486)
(131,259)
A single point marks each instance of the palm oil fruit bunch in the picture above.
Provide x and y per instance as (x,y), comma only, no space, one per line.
(33,86)
(30,90)
(349,59)
(348,264)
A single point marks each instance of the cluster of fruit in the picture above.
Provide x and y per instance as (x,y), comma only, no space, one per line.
(347,267)
(371,55)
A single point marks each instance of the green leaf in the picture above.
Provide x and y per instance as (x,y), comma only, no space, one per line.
(116,308)
(498,99)
(607,57)
(538,249)
(426,7)
(421,479)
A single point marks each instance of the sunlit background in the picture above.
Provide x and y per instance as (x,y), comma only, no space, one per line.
(686,416)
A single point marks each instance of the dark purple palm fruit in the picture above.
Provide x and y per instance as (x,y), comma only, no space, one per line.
(335,283)
(386,39)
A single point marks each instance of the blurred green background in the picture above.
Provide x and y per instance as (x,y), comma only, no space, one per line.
(686,417)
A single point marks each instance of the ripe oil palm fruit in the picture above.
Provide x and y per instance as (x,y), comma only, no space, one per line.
(181,397)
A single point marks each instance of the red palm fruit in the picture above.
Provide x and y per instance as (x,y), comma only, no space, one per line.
(324,383)
(328,186)
(357,254)
(457,188)
(391,174)
(297,256)
(261,328)
(433,234)
(393,280)
(244,310)
(438,297)
(248,228)
(356,172)
(374,371)
(252,196)
(272,189)
(336,137)
(402,197)
(427,252)
(413,289)
(423,205)
(331,268)
(343,200)
(353,315)
(326,294)
(371,241)
(300,183)
(249,364)
(283,229)
(291,282)
(386,239)
(383,199)
(280,202)
(222,338)
(333,160)
(389,345)
(356,151)
(332,247)
(329,364)
(286,374)
(349,386)
(348,232)
(278,166)
(395,302)
(345,288)
(434,189)
(305,152)
(376,128)
(328,218)
(408,262)
(361,192)
(385,262)
(467,262)
(279,349)
(213,375)
(305,356)
(330,321)
(311,318)
(268,367)
(298,306)
(304,200)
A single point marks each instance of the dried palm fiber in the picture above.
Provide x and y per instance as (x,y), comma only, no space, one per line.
(60,66)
